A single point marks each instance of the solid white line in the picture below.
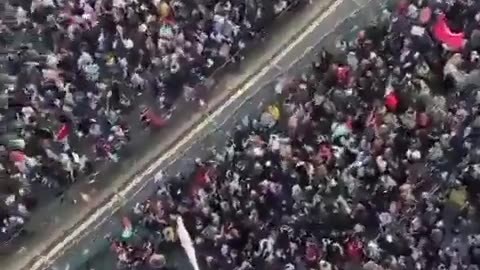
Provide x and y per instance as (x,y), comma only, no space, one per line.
(137,182)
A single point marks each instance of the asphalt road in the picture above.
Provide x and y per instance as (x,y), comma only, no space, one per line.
(340,21)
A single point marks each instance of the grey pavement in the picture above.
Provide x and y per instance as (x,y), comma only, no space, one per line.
(347,17)
(59,219)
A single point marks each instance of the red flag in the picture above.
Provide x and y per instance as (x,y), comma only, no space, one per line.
(443,33)
(62,132)
(391,101)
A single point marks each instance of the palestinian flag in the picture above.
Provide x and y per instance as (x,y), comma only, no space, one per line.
(127,228)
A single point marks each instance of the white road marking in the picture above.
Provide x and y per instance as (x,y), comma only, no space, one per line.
(139,181)
(359,2)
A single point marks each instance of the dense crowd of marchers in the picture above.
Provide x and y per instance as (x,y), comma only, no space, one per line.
(370,160)
(78,75)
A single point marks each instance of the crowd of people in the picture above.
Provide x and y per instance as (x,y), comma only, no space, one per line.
(370,160)
(78,76)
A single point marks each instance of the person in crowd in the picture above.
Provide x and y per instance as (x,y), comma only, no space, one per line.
(77,76)
(370,160)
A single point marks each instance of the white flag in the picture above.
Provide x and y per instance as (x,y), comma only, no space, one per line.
(187,243)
